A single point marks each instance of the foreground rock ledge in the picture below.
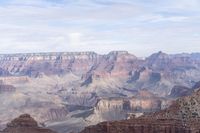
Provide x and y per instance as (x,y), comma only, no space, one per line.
(25,124)
(140,126)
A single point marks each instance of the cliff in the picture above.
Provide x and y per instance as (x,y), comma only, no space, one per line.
(139,126)
(183,116)
(114,86)
(109,109)
(155,72)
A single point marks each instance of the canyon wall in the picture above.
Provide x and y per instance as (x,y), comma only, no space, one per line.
(93,87)
(181,117)
(155,72)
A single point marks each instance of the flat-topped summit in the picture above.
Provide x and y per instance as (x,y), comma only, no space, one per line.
(118,52)
(48,56)
(50,53)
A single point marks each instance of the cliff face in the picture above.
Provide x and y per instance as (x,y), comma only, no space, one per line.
(152,73)
(48,63)
(129,104)
(95,87)
(60,63)
(139,126)
(109,109)
(183,116)
(24,124)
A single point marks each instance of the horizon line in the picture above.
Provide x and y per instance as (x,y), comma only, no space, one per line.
(93,52)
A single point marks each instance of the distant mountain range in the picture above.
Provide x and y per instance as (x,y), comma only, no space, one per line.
(158,72)
(71,90)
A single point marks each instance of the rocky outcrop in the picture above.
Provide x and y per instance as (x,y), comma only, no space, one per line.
(48,63)
(44,111)
(129,104)
(144,101)
(145,104)
(196,86)
(183,116)
(25,124)
(139,126)
(180,91)
(108,109)
(118,79)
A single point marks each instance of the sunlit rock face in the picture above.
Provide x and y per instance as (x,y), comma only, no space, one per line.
(181,117)
(129,104)
(24,124)
(121,108)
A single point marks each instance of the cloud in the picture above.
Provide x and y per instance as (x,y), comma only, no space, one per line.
(139,26)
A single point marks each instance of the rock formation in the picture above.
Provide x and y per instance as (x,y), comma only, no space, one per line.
(24,124)
(109,109)
(179,91)
(94,87)
(183,116)
(139,126)
(155,72)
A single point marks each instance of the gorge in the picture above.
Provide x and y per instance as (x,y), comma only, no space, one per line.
(68,91)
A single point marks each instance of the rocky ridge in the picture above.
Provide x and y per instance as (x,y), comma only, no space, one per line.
(182,116)
(25,124)
(157,71)
(92,85)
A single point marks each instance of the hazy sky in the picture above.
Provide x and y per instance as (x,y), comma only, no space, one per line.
(138,26)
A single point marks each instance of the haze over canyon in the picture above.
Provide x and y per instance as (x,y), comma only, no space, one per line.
(69,91)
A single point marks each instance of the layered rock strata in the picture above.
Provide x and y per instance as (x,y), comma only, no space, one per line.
(25,124)
(183,116)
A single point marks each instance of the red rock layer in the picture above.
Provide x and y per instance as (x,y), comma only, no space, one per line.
(140,126)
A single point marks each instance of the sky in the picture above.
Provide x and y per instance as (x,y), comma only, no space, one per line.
(141,27)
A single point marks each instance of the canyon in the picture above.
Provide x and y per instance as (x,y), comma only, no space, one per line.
(68,91)
(183,116)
